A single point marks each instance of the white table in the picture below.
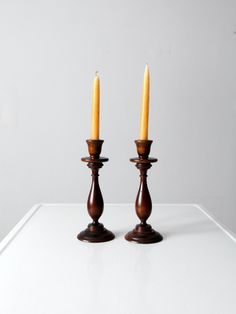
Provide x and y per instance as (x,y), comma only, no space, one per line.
(44,269)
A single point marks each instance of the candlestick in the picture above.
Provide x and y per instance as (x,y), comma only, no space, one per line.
(95,231)
(145,105)
(95,108)
(143,232)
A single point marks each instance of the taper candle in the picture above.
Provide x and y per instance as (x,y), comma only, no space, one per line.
(145,105)
(95,108)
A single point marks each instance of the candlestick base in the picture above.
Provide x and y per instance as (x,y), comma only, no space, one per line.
(95,233)
(143,234)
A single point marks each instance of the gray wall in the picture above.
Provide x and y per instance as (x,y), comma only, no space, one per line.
(49,53)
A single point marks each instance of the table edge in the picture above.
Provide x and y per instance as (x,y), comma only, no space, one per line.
(19,226)
(220,225)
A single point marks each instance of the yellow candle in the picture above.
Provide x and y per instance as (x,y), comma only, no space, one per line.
(145,105)
(95,108)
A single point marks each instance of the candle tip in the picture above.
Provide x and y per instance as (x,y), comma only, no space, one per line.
(96,73)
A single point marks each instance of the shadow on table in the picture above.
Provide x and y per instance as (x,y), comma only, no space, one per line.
(120,233)
(193,227)
(176,228)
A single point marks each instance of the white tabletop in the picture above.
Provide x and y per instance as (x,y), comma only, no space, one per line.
(44,269)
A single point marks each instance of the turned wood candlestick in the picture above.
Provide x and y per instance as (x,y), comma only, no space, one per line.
(143,232)
(95,232)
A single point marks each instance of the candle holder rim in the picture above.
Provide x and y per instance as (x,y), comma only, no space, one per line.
(143,160)
(90,140)
(94,160)
(143,141)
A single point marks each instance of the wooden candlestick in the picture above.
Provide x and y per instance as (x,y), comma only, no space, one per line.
(143,232)
(95,231)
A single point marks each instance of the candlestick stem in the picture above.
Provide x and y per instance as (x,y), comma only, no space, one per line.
(143,232)
(95,232)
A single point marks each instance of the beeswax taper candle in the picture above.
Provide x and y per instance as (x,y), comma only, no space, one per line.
(95,108)
(145,105)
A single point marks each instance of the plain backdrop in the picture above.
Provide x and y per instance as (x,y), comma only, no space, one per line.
(50,50)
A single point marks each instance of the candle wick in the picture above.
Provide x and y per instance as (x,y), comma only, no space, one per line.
(96,73)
